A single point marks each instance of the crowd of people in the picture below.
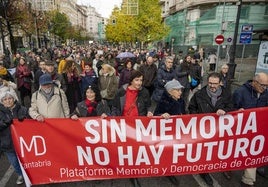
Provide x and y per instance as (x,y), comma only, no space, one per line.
(73,82)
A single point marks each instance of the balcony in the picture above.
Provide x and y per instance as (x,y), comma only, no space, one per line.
(172,9)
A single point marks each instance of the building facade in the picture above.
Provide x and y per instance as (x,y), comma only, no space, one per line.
(195,24)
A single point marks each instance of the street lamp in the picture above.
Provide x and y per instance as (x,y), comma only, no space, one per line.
(232,64)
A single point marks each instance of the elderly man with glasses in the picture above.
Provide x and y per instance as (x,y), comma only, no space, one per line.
(252,94)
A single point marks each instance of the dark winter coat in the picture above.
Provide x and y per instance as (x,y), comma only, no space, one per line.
(124,77)
(182,73)
(169,105)
(6,118)
(149,74)
(81,109)
(195,72)
(89,79)
(143,101)
(201,102)
(246,97)
(163,76)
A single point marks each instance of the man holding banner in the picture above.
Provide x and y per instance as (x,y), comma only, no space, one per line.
(251,94)
(212,98)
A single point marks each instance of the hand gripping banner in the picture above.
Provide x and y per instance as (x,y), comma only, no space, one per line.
(61,150)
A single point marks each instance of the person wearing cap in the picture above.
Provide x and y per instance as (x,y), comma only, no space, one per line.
(212,98)
(171,103)
(49,101)
(10,109)
(56,77)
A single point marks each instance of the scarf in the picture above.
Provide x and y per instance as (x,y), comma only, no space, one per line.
(49,95)
(91,106)
(214,96)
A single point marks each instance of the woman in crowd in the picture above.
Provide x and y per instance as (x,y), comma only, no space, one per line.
(108,83)
(125,73)
(10,109)
(24,78)
(72,80)
(92,105)
(88,77)
(171,103)
(132,100)
(8,86)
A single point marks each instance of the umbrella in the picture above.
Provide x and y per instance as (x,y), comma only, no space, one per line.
(125,55)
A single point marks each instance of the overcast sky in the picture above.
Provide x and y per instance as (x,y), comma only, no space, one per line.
(104,7)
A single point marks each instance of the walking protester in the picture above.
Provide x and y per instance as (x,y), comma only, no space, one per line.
(16,59)
(72,81)
(212,58)
(171,103)
(4,73)
(212,98)
(56,77)
(126,72)
(92,105)
(8,86)
(94,63)
(108,83)
(149,71)
(164,74)
(88,77)
(10,109)
(100,63)
(225,78)
(252,94)
(49,101)
(183,75)
(195,78)
(24,80)
(109,59)
(38,73)
(132,100)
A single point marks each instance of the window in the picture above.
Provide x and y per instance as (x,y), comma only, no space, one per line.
(266,11)
(244,12)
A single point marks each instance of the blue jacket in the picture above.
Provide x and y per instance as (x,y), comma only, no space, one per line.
(246,97)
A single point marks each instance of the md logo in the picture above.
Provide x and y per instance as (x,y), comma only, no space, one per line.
(36,145)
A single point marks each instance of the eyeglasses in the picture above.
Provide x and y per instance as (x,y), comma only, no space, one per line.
(213,83)
(264,86)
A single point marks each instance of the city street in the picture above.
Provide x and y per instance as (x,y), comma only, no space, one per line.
(244,71)
(8,179)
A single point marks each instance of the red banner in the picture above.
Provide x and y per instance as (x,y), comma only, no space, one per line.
(60,150)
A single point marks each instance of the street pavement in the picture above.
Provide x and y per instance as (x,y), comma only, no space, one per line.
(244,71)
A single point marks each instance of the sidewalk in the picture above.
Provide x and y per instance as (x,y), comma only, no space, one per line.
(245,70)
